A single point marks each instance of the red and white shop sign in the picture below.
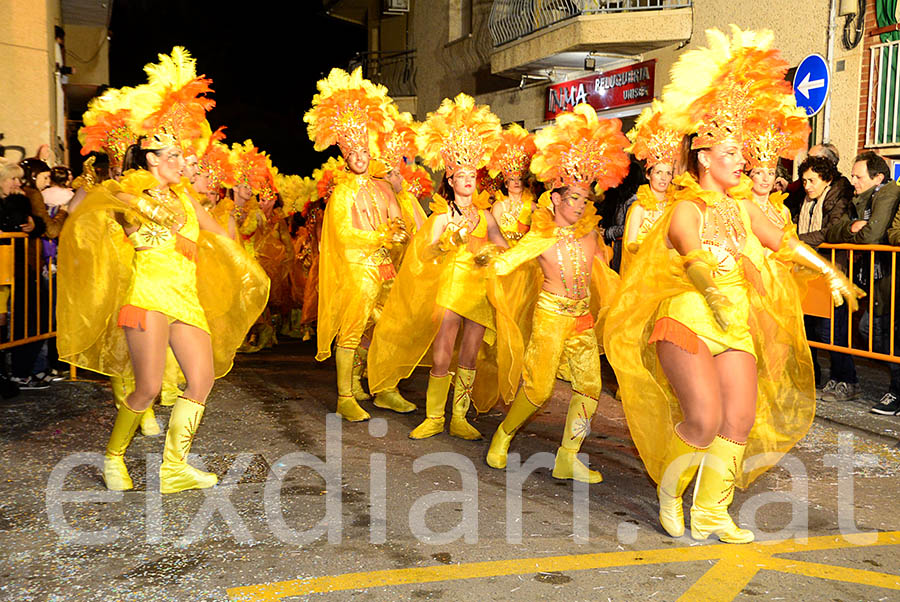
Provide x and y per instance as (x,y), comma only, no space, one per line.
(617,88)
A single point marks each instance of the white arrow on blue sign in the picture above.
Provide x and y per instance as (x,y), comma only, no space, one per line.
(811,82)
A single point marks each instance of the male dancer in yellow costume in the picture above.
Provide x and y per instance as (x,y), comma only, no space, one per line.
(440,287)
(709,359)
(362,223)
(572,259)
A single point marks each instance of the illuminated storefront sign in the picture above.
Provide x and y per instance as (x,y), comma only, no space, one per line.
(617,88)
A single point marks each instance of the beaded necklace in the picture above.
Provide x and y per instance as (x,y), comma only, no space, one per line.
(575,260)
(724,227)
(370,209)
(770,212)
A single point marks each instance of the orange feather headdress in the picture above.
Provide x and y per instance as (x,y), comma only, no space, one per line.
(349,111)
(107,125)
(418,180)
(251,167)
(460,134)
(580,148)
(651,142)
(326,176)
(778,130)
(215,163)
(397,145)
(513,156)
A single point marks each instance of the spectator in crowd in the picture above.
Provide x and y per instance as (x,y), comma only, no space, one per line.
(782,179)
(826,202)
(16,216)
(37,178)
(616,202)
(871,214)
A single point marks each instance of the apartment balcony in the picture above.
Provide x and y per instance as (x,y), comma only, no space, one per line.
(532,36)
(394,70)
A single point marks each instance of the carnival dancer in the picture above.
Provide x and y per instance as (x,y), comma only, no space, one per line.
(771,132)
(698,339)
(574,153)
(362,223)
(440,288)
(188,287)
(214,171)
(397,150)
(659,148)
(513,207)
(107,130)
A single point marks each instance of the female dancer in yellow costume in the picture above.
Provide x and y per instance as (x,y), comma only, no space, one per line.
(440,288)
(659,149)
(188,287)
(697,336)
(511,160)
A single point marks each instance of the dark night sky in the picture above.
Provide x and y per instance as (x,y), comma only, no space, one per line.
(264,63)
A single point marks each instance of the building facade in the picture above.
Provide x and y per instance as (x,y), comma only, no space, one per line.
(526,57)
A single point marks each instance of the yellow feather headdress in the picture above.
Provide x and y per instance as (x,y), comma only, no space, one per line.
(251,166)
(580,148)
(713,89)
(651,142)
(349,111)
(108,122)
(459,135)
(178,116)
(326,176)
(513,155)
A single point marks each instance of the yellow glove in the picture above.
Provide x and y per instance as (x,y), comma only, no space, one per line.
(399,234)
(155,212)
(840,285)
(452,238)
(700,275)
(486,255)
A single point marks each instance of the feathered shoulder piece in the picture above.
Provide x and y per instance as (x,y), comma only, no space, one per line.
(513,155)
(543,225)
(439,204)
(459,135)
(418,180)
(713,89)
(180,113)
(251,167)
(580,148)
(774,129)
(328,176)
(651,142)
(349,111)
(397,145)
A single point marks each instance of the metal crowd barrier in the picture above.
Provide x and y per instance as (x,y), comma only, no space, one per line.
(818,298)
(31,297)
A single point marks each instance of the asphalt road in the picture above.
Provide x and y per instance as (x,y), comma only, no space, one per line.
(309,507)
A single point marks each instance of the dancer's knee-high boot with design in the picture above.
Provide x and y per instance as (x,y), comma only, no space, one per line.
(175,474)
(714,492)
(578,425)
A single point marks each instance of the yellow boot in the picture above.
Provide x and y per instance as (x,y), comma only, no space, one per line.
(462,399)
(578,425)
(346,404)
(519,412)
(115,475)
(121,388)
(714,492)
(435,402)
(359,364)
(175,474)
(680,465)
(149,425)
(392,400)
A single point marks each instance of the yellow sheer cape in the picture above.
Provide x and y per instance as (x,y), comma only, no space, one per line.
(335,277)
(411,318)
(516,284)
(95,269)
(786,389)
(275,252)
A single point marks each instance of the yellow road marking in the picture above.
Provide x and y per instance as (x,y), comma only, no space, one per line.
(736,566)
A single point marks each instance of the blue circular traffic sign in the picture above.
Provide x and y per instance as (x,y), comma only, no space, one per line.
(811,83)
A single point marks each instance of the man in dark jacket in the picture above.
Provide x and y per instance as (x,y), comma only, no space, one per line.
(871,213)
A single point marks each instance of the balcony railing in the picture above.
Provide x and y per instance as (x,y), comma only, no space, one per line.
(514,19)
(883,110)
(395,70)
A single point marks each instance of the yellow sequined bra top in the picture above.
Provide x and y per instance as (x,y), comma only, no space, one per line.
(724,228)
